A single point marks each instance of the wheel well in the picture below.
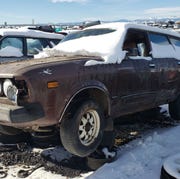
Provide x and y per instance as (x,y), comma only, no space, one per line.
(102,99)
(94,94)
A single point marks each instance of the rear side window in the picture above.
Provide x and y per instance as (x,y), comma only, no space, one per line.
(159,39)
(34,46)
(176,43)
(161,47)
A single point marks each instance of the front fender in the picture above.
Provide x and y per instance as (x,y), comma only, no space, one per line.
(94,85)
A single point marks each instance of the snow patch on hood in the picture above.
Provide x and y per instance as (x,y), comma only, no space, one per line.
(61,53)
(107,46)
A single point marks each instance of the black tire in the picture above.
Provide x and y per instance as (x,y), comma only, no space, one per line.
(14,139)
(6,130)
(165,175)
(44,140)
(11,135)
(174,109)
(82,133)
(171,167)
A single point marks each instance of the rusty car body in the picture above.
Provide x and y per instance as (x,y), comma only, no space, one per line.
(82,94)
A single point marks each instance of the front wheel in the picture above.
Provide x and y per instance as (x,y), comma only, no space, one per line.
(83,131)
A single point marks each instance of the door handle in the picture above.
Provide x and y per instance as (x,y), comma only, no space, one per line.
(152,65)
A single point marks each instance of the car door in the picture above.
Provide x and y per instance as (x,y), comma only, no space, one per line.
(135,90)
(165,64)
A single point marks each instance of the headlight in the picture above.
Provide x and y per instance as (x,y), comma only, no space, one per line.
(6,84)
(10,90)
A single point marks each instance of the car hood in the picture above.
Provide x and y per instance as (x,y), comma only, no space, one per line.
(10,69)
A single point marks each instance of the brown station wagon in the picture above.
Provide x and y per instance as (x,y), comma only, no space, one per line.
(92,77)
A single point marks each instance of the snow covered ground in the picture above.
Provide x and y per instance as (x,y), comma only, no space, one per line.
(141,158)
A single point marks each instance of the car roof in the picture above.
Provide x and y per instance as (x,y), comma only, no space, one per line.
(122,26)
(25,32)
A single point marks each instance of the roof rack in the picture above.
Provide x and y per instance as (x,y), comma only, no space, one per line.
(44,28)
(91,23)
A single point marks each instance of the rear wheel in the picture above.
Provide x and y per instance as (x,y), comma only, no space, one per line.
(6,130)
(174,109)
(83,131)
(45,139)
(10,135)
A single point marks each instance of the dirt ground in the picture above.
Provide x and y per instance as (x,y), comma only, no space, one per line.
(127,129)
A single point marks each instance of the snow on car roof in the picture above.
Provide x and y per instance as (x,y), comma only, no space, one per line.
(30,33)
(107,45)
(121,25)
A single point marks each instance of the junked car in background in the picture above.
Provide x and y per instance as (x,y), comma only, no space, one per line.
(92,77)
(25,42)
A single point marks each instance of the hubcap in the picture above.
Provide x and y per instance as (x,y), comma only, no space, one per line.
(89,127)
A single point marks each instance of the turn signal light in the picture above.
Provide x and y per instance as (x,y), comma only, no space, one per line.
(53,84)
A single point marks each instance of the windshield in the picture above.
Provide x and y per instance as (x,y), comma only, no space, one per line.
(89,42)
(87,32)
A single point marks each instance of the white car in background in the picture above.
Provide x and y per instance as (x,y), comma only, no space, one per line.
(25,42)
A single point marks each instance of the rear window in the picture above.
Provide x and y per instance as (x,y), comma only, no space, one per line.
(86,33)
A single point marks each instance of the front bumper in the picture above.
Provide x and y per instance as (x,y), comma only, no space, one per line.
(20,114)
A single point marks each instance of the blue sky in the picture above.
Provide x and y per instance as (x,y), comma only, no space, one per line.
(55,11)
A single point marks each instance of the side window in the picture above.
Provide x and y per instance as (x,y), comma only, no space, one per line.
(11,47)
(176,43)
(34,46)
(136,43)
(159,39)
(161,47)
